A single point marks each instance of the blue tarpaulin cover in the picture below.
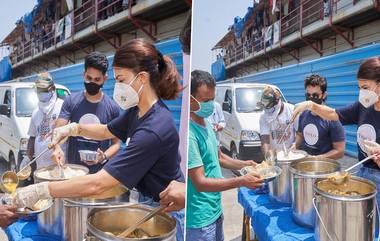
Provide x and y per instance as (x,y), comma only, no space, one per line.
(218,70)
(24,230)
(5,69)
(240,22)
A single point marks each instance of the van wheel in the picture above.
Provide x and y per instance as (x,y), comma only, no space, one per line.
(234,153)
(12,162)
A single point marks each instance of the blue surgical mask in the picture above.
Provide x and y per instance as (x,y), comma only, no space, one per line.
(44,96)
(205,108)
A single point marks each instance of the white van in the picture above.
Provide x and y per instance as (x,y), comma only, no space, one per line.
(17,102)
(241,136)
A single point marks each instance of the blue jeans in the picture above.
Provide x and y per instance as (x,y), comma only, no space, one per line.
(212,232)
(179,216)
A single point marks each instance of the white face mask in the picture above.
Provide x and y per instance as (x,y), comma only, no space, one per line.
(272,113)
(368,97)
(125,96)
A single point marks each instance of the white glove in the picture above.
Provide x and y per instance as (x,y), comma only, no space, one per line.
(301,107)
(28,196)
(61,134)
(371,147)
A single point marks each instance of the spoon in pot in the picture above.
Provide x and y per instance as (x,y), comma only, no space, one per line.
(141,221)
(344,176)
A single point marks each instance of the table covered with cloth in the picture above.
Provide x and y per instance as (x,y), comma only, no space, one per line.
(26,230)
(272,221)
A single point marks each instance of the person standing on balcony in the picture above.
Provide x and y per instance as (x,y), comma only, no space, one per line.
(274,121)
(318,137)
(43,120)
(91,106)
(365,113)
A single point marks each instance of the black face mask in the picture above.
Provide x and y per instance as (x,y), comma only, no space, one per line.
(92,88)
(314,98)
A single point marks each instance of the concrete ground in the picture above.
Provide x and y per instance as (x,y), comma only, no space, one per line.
(233,212)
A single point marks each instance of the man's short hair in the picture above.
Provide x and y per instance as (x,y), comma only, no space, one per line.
(199,78)
(316,80)
(97,61)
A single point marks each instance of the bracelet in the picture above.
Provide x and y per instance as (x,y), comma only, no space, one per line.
(105,159)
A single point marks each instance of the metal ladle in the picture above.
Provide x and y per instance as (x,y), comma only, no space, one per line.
(344,176)
(286,152)
(141,221)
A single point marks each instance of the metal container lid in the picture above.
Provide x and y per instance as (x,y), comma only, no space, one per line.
(355,189)
(314,168)
(44,174)
(293,155)
(106,223)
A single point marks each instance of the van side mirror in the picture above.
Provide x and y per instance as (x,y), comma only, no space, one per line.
(4,110)
(226,106)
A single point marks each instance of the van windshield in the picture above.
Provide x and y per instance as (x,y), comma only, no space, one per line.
(27,100)
(247,99)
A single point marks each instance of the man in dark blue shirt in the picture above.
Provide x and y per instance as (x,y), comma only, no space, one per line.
(91,106)
(318,137)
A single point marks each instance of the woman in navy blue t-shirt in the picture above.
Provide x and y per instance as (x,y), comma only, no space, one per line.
(365,113)
(150,160)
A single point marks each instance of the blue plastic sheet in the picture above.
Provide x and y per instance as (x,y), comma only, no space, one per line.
(239,22)
(272,221)
(218,70)
(5,69)
(24,230)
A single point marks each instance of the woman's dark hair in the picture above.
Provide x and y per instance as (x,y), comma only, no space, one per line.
(199,78)
(316,80)
(140,55)
(370,69)
(97,61)
(185,35)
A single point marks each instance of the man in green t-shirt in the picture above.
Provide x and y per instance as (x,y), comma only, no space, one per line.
(204,219)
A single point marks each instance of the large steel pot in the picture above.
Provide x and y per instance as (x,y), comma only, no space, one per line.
(101,223)
(345,218)
(51,221)
(279,188)
(303,174)
(67,217)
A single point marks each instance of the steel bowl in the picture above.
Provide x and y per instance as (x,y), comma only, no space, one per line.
(29,213)
(264,172)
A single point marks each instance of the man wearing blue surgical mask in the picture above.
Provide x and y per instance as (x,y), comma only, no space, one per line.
(43,120)
(205,181)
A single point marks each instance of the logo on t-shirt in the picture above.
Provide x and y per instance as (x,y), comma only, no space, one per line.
(311,134)
(366,132)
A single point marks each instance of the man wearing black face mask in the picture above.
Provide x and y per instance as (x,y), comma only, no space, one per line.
(318,137)
(90,106)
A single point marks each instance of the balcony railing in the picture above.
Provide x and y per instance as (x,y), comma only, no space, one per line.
(309,11)
(89,13)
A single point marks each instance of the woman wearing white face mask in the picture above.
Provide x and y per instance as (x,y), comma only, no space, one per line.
(151,159)
(365,113)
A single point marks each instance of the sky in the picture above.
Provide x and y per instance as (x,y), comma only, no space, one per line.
(10,12)
(211,19)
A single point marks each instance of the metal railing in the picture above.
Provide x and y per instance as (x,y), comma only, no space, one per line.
(89,13)
(307,13)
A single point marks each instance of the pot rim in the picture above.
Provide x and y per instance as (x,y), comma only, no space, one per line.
(100,234)
(296,159)
(346,198)
(304,174)
(57,179)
